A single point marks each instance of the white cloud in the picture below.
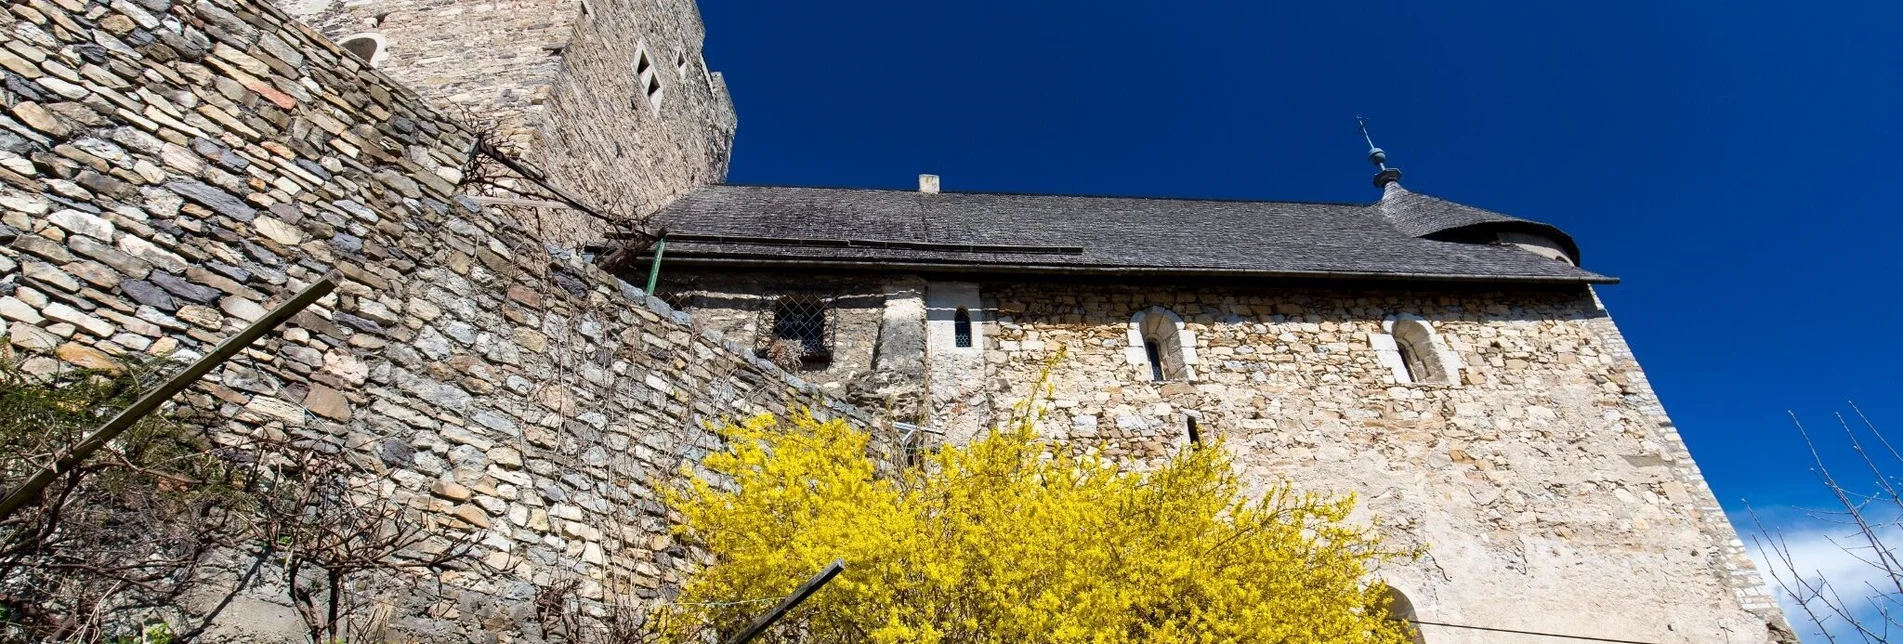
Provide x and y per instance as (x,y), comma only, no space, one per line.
(1834,556)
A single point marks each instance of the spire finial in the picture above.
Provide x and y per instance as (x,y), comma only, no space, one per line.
(1378,157)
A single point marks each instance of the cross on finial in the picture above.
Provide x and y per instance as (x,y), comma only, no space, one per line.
(1364,131)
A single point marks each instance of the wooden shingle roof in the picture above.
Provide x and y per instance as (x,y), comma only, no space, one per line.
(866,229)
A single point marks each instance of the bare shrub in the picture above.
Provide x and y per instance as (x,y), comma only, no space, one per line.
(125,533)
(785,353)
(1869,515)
(170,510)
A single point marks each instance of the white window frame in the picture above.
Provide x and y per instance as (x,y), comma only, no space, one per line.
(1441,363)
(646,79)
(377,56)
(1137,355)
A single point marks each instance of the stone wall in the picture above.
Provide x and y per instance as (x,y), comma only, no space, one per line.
(169,170)
(860,310)
(564,85)
(1552,489)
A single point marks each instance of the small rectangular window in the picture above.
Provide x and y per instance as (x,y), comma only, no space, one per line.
(961,329)
(648,82)
(802,324)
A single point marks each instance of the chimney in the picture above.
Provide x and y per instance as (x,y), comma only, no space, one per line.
(928,184)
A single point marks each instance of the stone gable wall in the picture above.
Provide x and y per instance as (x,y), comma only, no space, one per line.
(169,170)
(1553,491)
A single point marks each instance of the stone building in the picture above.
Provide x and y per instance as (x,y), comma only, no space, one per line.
(1449,364)
(169,168)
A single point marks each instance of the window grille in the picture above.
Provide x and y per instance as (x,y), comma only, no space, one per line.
(961,329)
(678,299)
(804,321)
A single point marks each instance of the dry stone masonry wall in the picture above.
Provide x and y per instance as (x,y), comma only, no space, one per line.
(170,169)
(612,98)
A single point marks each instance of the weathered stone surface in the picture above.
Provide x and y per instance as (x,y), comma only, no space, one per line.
(267,409)
(451,490)
(37,117)
(86,357)
(217,200)
(14,309)
(80,223)
(60,312)
(279,231)
(32,338)
(328,403)
(179,286)
(148,294)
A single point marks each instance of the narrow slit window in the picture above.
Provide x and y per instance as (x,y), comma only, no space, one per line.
(1195,433)
(1410,366)
(1161,346)
(1419,355)
(961,329)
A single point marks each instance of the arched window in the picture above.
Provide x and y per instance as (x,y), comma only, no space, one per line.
(1401,610)
(1411,350)
(961,328)
(1161,346)
(367,47)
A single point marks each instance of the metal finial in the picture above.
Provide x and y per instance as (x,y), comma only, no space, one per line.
(1378,157)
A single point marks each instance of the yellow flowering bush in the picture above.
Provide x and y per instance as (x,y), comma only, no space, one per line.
(1010,539)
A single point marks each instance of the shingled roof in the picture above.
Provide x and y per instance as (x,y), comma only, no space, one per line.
(864,229)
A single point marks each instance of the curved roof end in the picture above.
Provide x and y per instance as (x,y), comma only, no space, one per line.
(1429,217)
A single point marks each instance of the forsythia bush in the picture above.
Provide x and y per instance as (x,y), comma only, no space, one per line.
(1008,540)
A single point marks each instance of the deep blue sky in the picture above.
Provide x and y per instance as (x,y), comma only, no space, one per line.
(1732,162)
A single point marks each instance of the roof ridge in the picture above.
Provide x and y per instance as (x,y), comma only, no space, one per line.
(1352,204)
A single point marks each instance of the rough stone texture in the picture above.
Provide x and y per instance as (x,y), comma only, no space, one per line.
(1553,490)
(741,307)
(557,79)
(499,383)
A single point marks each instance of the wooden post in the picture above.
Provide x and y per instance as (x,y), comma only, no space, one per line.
(30,490)
(805,590)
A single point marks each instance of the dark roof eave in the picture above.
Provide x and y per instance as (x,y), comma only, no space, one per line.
(739,262)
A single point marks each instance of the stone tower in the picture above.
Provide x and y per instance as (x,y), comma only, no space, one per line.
(621,84)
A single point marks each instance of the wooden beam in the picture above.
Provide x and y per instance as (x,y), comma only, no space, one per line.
(510,201)
(805,590)
(30,490)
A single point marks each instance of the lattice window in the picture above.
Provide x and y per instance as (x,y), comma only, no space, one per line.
(961,328)
(803,323)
